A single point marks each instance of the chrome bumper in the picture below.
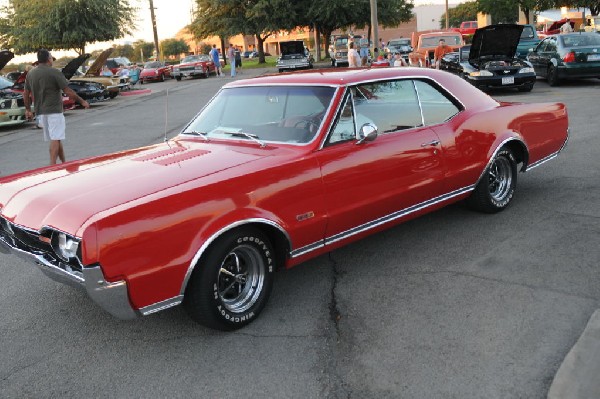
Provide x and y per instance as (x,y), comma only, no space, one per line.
(112,297)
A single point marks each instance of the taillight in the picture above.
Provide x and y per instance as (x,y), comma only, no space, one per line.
(570,57)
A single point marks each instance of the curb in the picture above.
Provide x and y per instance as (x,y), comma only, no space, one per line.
(578,375)
(135,92)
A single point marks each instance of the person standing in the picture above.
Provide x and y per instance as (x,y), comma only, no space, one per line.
(566,27)
(214,56)
(353,57)
(231,56)
(47,84)
(441,50)
(399,61)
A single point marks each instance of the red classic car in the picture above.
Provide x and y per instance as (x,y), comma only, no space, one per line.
(194,65)
(324,159)
(155,71)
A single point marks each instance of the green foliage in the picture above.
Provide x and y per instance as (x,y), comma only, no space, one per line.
(27,25)
(462,12)
(125,50)
(142,47)
(174,47)
(205,48)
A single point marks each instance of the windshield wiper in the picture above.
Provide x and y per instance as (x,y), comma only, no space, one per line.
(204,135)
(250,136)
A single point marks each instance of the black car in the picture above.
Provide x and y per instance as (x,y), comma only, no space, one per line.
(491,60)
(89,91)
(400,46)
(567,56)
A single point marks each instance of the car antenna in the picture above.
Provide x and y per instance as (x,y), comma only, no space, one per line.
(166,114)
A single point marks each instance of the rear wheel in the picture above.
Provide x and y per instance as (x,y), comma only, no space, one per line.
(552,76)
(232,281)
(497,186)
(178,78)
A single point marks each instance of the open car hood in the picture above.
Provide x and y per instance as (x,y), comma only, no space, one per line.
(495,41)
(96,67)
(5,57)
(70,69)
(293,47)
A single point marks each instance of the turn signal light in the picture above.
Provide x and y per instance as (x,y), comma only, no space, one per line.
(570,57)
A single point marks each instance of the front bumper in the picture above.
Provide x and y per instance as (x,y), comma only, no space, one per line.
(111,296)
(496,81)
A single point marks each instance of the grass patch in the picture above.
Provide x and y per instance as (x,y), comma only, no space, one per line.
(252,63)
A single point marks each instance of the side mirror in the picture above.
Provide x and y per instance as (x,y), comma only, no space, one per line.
(367,132)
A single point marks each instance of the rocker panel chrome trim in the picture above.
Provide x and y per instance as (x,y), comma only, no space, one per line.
(377,222)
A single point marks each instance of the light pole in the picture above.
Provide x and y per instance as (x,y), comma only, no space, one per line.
(153,18)
(374,25)
(447,16)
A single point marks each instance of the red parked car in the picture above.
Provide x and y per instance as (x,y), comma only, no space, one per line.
(155,71)
(193,66)
(323,159)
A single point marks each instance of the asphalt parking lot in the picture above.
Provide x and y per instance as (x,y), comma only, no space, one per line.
(455,304)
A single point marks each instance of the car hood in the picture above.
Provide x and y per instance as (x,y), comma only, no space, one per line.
(5,57)
(293,47)
(495,41)
(96,67)
(70,69)
(67,196)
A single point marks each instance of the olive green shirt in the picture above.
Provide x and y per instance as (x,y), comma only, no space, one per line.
(46,84)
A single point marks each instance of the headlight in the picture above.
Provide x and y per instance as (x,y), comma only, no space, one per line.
(64,245)
(481,73)
(526,70)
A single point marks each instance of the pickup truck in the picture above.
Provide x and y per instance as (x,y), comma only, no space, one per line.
(466,28)
(529,40)
(424,45)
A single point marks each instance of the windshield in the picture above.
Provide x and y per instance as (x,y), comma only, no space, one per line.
(193,58)
(5,83)
(527,32)
(435,40)
(399,43)
(152,64)
(286,114)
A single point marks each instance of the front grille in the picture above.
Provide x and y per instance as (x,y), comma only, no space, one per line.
(29,241)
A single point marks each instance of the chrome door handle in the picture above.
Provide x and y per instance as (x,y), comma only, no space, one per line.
(432,143)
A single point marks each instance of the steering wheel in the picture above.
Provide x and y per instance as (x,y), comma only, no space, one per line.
(307,124)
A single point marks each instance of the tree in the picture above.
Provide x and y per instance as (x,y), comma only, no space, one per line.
(174,47)
(28,25)
(125,50)
(507,11)
(462,12)
(141,50)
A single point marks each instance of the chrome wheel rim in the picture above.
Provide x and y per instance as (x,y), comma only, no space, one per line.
(241,278)
(500,178)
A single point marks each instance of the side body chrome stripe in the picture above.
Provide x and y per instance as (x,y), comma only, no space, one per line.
(377,222)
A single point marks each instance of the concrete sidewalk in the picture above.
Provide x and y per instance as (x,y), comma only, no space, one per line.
(579,374)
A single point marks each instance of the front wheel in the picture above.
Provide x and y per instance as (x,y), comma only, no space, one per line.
(496,187)
(178,78)
(232,281)
(162,78)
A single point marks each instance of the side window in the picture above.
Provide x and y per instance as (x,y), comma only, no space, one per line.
(391,105)
(551,46)
(436,107)
(344,127)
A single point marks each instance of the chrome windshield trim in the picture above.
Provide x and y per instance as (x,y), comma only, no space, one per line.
(378,222)
(216,235)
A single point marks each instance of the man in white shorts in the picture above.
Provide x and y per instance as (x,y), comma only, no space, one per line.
(47,84)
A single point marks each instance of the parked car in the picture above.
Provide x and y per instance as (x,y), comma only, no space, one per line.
(323,159)
(19,88)
(88,90)
(400,46)
(155,71)
(567,56)
(194,66)
(113,84)
(425,43)
(246,54)
(490,62)
(12,107)
(529,40)
(254,54)
(294,55)
(115,64)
